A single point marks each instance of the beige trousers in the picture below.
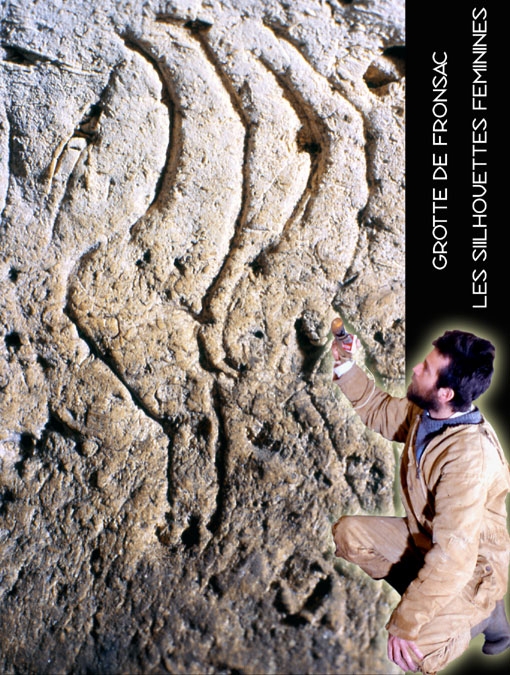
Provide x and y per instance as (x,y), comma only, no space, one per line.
(383,548)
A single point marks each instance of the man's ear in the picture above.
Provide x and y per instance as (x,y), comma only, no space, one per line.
(445,394)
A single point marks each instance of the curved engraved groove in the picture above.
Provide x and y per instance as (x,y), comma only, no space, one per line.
(4,158)
(175,249)
(323,230)
(385,68)
(313,138)
(262,221)
(275,174)
(340,128)
(169,98)
(71,153)
(145,288)
(193,242)
(94,172)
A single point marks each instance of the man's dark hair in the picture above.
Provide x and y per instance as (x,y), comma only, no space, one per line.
(471,366)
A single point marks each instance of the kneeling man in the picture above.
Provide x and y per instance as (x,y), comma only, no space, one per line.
(448,557)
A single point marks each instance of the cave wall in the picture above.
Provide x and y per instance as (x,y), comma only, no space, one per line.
(189,193)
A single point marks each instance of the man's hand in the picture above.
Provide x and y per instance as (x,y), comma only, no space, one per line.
(399,651)
(340,354)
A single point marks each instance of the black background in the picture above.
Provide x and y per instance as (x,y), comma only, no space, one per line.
(439,300)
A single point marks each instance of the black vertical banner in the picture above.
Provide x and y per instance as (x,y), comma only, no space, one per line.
(456,265)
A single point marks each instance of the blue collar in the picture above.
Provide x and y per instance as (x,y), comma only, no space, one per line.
(430,427)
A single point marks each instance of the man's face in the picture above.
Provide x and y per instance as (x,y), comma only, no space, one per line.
(423,390)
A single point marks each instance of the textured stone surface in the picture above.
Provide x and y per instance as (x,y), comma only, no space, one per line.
(189,193)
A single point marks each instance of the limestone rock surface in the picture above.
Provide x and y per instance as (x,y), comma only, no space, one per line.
(190,191)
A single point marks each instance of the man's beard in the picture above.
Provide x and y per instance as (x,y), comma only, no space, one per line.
(426,400)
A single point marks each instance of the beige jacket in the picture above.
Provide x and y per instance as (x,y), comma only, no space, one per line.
(454,502)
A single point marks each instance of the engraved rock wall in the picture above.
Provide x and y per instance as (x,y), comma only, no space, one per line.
(189,193)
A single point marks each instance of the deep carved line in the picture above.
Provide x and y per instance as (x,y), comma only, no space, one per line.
(200,33)
(313,140)
(170,100)
(221,463)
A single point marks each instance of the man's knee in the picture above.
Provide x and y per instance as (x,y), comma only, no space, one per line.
(343,535)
